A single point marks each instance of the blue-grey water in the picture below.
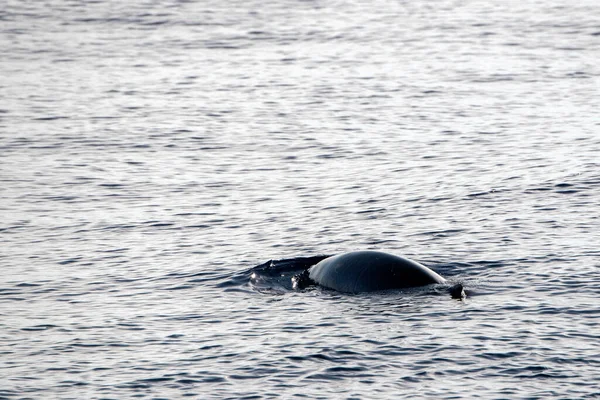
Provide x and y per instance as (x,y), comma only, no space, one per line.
(154,153)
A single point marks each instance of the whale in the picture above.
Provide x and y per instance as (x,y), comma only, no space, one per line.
(368,271)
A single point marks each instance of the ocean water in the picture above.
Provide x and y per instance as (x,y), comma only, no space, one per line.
(156,155)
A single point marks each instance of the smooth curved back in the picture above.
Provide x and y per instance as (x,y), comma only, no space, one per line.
(366,271)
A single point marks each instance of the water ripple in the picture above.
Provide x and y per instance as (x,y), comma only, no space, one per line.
(155,155)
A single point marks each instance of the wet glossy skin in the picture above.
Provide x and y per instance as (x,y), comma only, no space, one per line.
(365,271)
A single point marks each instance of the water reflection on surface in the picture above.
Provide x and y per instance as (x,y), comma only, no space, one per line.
(152,153)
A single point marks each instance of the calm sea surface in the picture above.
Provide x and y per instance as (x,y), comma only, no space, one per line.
(154,153)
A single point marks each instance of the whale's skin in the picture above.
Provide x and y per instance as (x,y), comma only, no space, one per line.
(367,271)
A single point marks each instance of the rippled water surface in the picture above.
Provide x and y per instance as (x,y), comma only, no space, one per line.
(155,155)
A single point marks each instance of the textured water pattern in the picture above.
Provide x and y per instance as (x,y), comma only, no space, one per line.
(153,154)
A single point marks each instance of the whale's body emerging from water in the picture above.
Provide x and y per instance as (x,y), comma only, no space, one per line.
(366,271)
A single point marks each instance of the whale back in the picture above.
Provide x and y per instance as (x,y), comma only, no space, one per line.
(366,271)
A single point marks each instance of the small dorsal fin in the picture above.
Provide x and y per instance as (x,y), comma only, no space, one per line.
(457,291)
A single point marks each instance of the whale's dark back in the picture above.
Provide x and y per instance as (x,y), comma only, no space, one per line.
(366,271)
